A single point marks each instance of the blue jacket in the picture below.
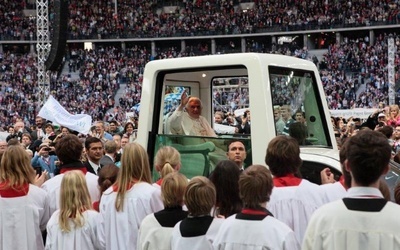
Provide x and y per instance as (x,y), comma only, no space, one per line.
(37,161)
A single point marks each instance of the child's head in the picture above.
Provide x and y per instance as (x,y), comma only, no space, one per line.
(200,196)
(255,186)
(173,188)
(74,199)
(167,160)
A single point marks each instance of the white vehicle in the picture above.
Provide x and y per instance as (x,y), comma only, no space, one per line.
(268,80)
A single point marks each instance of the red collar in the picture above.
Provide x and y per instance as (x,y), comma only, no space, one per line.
(64,170)
(286,181)
(252,211)
(159,182)
(7,191)
(129,186)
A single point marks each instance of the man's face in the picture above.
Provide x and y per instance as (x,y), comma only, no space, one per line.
(299,117)
(397,133)
(113,127)
(3,146)
(284,113)
(218,119)
(25,140)
(99,128)
(39,122)
(18,126)
(194,108)
(95,151)
(124,141)
(277,114)
(237,153)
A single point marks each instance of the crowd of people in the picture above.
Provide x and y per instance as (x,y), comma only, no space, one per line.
(104,20)
(100,195)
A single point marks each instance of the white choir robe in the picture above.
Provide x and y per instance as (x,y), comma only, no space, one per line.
(202,242)
(119,230)
(153,236)
(294,205)
(81,238)
(333,191)
(242,234)
(22,219)
(53,185)
(335,227)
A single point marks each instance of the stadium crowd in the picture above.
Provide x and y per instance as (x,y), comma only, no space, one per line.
(107,19)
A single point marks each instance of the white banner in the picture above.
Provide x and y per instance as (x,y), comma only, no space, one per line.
(355,113)
(53,111)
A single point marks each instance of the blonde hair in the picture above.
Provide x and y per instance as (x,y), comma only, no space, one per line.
(135,166)
(200,196)
(173,188)
(74,200)
(15,167)
(167,160)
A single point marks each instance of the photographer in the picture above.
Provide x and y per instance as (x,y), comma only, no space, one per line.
(378,118)
(42,160)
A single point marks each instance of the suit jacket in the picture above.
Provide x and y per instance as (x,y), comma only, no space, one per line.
(37,161)
(106,160)
(245,129)
(34,134)
(89,167)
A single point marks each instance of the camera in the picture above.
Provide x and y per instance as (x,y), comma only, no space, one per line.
(47,149)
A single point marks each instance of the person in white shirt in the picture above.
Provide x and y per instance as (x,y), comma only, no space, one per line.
(198,230)
(255,227)
(363,219)
(24,208)
(190,122)
(293,200)
(125,204)
(74,225)
(156,229)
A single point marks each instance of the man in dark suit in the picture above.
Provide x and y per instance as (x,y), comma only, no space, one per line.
(94,152)
(39,132)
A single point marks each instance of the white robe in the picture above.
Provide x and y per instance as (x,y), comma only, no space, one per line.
(294,205)
(82,238)
(202,242)
(153,236)
(269,233)
(182,124)
(119,230)
(53,185)
(334,227)
(22,219)
(333,191)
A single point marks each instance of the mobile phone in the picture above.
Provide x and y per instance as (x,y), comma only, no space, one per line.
(38,171)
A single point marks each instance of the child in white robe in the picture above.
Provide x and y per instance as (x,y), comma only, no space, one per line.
(156,229)
(74,225)
(125,204)
(24,208)
(199,229)
(255,227)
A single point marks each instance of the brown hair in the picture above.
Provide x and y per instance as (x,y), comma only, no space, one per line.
(107,176)
(200,196)
(283,156)
(69,149)
(368,154)
(255,186)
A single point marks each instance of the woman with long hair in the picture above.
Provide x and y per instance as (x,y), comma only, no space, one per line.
(156,229)
(126,203)
(225,178)
(24,207)
(74,225)
(129,131)
(167,160)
